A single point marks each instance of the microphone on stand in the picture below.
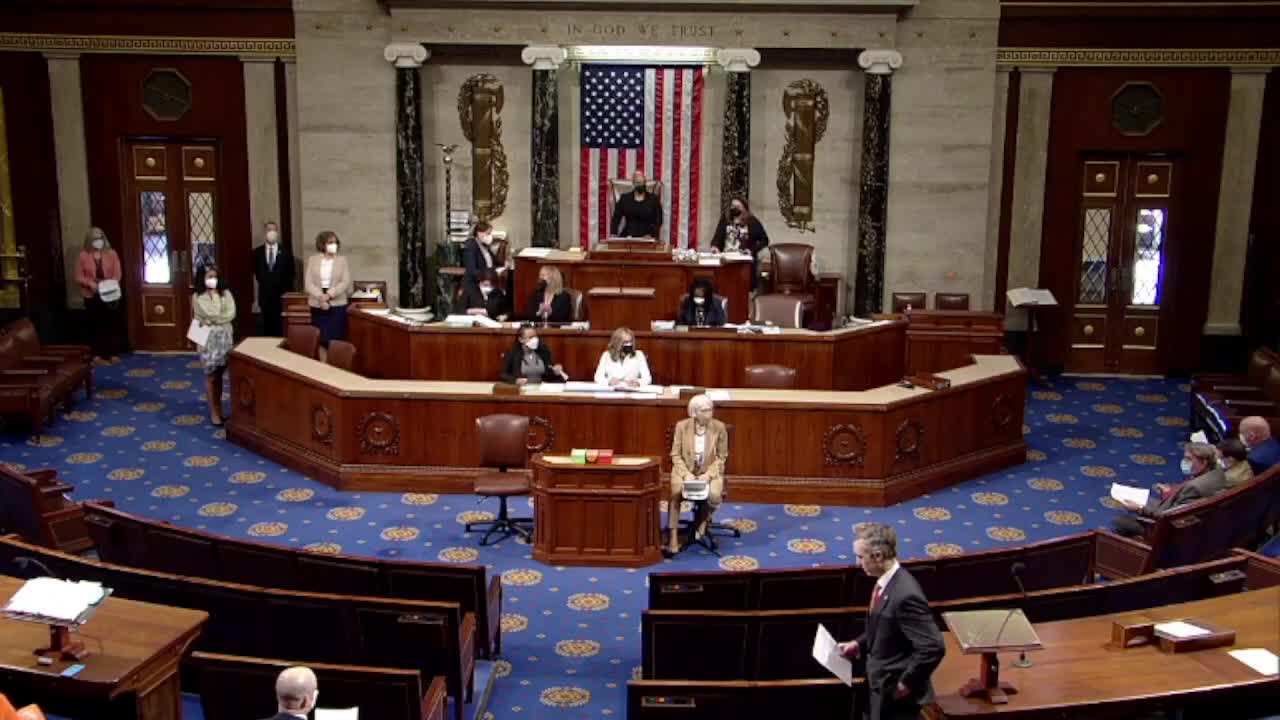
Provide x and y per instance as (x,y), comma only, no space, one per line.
(24,562)
(1016,570)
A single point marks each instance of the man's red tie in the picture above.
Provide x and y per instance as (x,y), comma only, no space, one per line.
(875,598)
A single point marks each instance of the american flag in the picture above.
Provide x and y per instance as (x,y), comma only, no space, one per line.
(648,118)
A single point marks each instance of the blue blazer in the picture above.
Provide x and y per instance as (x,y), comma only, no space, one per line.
(473,262)
(1265,456)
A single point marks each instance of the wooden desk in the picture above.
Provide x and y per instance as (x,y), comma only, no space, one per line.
(873,447)
(604,515)
(131,671)
(1079,675)
(615,268)
(615,307)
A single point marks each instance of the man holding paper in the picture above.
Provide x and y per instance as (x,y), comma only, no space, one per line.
(902,644)
(1200,464)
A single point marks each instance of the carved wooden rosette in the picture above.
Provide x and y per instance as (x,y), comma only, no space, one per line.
(844,444)
(1001,411)
(910,435)
(322,424)
(379,433)
(479,109)
(245,396)
(541,436)
(805,104)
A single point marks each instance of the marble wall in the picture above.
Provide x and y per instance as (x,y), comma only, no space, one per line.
(440,85)
(940,148)
(836,164)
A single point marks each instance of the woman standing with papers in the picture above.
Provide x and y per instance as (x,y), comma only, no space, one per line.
(622,365)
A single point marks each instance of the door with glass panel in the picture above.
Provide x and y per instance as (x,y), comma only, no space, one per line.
(1127,220)
(170,233)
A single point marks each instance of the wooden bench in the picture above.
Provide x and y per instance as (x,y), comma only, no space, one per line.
(126,539)
(827,699)
(777,644)
(36,378)
(434,638)
(1195,532)
(34,504)
(236,688)
(1052,563)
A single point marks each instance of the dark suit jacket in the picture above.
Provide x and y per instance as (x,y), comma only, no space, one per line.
(561,307)
(511,364)
(902,643)
(757,238)
(1263,457)
(636,218)
(1202,486)
(689,314)
(273,282)
(473,262)
(495,304)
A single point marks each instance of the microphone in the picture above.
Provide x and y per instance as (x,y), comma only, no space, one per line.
(1016,570)
(24,562)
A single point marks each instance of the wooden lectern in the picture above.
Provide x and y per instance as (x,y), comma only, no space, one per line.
(615,307)
(601,515)
(989,632)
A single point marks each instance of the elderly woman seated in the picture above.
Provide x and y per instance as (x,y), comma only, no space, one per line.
(699,449)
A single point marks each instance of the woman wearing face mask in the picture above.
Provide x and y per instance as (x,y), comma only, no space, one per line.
(700,308)
(622,365)
(486,299)
(328,285)
(98,272)
(530,361)
(215,308)
(699,449)
(1233,456)
(549,303)
(740,231)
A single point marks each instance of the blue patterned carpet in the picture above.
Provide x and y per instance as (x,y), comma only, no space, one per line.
(572,634)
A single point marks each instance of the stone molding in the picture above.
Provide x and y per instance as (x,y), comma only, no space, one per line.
(880,62)
(1166,57)
(544,57)
(406,55)
(239,47)
(738,60)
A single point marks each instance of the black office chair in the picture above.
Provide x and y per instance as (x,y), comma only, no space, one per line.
(701,509)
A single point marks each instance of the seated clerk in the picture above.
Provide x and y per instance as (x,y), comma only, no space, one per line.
(479,255)
(621,364)
(700,308)
(530,361)
(1204,480)
(549,303)
(486,298)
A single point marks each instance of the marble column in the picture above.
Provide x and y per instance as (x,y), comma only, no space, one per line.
(1235,200)
(297,238)
(416,289)
(1030,165)
(544,143)
(873,188)
(994,194)
(735,159)
(260,134)
(72,159)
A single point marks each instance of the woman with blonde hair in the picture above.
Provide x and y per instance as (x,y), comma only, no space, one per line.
(549,302)
(328,285)
(699,449)
(98,273)
(621,364)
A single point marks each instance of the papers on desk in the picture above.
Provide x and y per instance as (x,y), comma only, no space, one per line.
(338,714)
(663,324)
(532,252)
(1122,493)
(583,386)
(550,388)
(58,600)
(718,395)
(471,320)
(713,260)
(1180,630)
(827,653)
(735,256)
(1021,297)
(1264,661)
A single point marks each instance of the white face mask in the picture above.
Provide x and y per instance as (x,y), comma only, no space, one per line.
(99,243)
(211,282)
(699,301)
(331,248)
(485,239)
(1185,465)
(531,343)
(273,237)
(486,288)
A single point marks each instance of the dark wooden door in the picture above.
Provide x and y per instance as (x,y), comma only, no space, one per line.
(1128,218)
(171,232)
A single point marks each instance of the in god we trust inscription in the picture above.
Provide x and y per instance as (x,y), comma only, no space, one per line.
(643,31)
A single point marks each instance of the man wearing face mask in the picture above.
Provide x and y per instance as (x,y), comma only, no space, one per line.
(486,299)
(638,214)
(1204,480)
(480,256)
(296,693)
(273,269)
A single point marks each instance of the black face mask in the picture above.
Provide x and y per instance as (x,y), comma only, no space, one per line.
(641,189)
(628,349)
(735,212)
(541,286)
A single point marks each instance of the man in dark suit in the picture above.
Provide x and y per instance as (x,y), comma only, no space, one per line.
(1264,450)
(295,693)
(1200,463)
(902,644)
(273,269)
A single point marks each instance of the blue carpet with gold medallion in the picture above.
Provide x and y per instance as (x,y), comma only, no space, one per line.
(572,634)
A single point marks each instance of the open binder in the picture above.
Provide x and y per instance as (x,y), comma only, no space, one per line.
(60,604)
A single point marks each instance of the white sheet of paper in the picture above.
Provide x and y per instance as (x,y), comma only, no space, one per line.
(1128,492)
(718,395)
(1180,629)
(198,332)
(57,599)
(1019,297)
(551,388)
(648,389)
(338,713)
(642,395)
(607,395)
(709,261)
(828,655)
(663,325)
(1199,437)
(1260,659)
(582,386)
(535,252)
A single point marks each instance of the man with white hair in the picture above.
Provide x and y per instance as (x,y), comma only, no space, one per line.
(296,693)
(1264,450)
(1204,480)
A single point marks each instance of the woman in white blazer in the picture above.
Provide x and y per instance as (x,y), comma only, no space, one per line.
(328,285)
(622,365)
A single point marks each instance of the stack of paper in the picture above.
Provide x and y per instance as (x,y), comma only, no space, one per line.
(535,252)
(1122,493)
(1180,630)
(581,386)
(338,713)
(55,599)
(1260,659)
